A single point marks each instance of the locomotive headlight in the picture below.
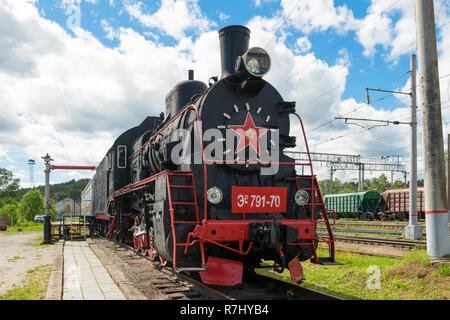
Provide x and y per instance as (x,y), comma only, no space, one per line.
(301,197)
(256,61)
(214,195)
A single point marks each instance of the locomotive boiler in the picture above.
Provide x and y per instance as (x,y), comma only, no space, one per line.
(206,187)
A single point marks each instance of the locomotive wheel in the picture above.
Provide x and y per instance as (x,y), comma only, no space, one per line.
(136,239)
(163,261)
(143,239)
(152,253)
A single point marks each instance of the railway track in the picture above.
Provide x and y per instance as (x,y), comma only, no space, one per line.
(378,225)
(258,286)
(382,241)
(373,224)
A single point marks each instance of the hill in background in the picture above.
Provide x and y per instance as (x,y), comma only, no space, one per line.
(70,189)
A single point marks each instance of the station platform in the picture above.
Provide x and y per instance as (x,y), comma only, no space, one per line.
(85,277)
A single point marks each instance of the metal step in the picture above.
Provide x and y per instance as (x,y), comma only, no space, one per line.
(327,261)
(191,269)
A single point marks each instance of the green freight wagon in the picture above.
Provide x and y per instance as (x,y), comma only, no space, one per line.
(363,205)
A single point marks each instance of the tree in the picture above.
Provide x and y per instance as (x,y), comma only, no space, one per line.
(9,211)
(8,187)
(59,191)
(32,204)
(379,184)
(398,184)
(338,186)
(53,211)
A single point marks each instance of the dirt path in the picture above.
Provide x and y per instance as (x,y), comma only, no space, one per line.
(20,252)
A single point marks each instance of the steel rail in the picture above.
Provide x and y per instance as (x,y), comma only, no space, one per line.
(221,293)
(197,286)
(382,241)
(377,225)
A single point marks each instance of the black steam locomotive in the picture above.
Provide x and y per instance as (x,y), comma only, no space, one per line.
(207,187)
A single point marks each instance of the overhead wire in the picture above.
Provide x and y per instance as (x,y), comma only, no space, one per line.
(404,49)
(284,20)
(359,107)
(357,131)
(337,44)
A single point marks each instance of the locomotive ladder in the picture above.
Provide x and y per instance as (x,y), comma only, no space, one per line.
(173,222)
(315,189)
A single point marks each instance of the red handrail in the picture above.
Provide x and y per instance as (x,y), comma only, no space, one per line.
(205,161)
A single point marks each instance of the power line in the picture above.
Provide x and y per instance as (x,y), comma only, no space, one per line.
(330,121)
(337,44)
(351,79)
(357,131)
(356,109)
(404,49)
(284,20)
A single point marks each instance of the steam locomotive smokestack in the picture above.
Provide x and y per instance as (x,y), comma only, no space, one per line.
(233,43)
(191,75)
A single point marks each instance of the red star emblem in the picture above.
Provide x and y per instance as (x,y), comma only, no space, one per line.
(249,134)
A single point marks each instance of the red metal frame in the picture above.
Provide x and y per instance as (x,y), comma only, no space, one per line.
(112,226)
(55,167)
(214,231)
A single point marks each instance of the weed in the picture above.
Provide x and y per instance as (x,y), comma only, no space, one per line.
(443,270)
(14,259)
(410,278)
(33,286)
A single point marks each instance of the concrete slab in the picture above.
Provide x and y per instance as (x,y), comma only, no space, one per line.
(114,296)
(85,277)
(109,288)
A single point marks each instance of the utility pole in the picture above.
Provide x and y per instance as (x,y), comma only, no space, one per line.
(330,188)
(362,176)
(436,213)
(47,225)
(31,163)
(412,230)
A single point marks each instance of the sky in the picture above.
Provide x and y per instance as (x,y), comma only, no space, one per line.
(75,74)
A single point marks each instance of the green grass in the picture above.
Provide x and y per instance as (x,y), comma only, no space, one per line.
(26,226)
(14,259)
(33,287)
(400,279)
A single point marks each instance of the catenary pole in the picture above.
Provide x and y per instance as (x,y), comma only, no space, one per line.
(436,213)
(412,230)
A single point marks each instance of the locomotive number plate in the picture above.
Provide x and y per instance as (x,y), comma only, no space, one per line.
(258,199)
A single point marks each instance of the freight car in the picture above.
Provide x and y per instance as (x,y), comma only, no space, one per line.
(362,205)
(396,204)
(206,187)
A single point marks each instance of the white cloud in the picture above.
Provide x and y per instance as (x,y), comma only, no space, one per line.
(318,15)
(111,34)
(300,78)
(3,154)
(174,17)
(223,17)
(69,105)
(259,2)
(303,44)
(392,26)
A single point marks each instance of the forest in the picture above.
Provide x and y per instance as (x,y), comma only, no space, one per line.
(21,205)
